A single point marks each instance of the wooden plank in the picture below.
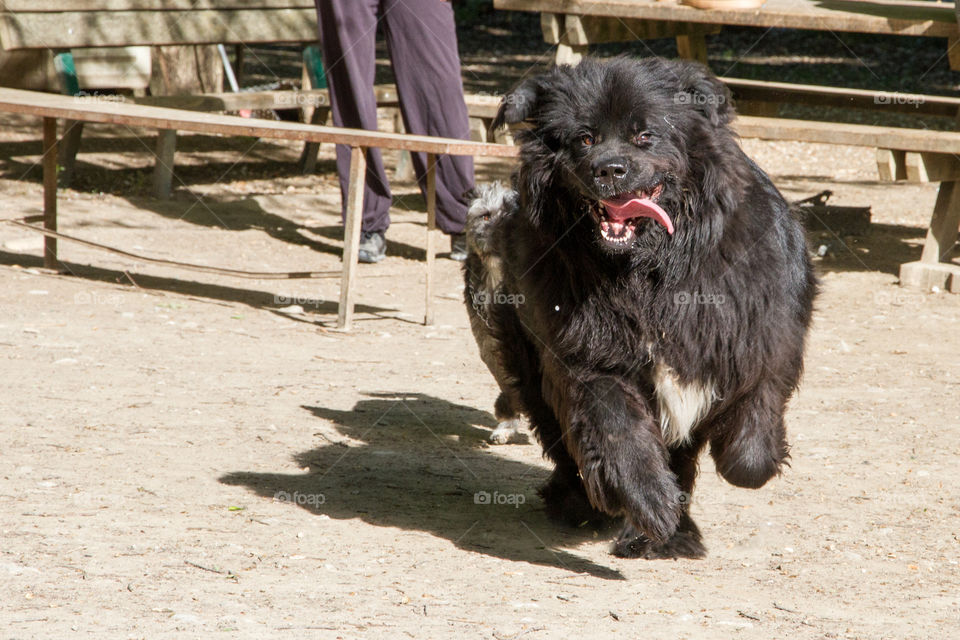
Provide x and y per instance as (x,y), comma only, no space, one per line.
(783,92)
(891,165)
(351,235)
(128,28)
(50,260)
(113,67)
(944,225)
(90,109)
(878,16)
(850,134)
(584,30)
(931,167)
(431,235)
(30,6)
(386,96)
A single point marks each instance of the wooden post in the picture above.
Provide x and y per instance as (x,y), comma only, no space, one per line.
(942,234)
(163,169)
(692,47)
(930,271)
(431,234)
(67,153)
(351,235)
(50,260)
(308,157)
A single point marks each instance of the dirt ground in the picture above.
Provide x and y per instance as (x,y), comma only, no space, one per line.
(195,455)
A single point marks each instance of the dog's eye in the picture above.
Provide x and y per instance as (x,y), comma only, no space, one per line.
(588,140)
(643,137)
(486,216)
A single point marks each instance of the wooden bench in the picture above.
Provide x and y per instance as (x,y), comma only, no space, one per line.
(482,109)
(573,25)
(50,107)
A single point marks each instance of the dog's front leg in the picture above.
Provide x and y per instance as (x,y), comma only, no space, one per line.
(611,433)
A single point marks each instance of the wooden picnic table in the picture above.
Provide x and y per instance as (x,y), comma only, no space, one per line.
(579,23)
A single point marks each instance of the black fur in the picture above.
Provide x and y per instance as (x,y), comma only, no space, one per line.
(724,302)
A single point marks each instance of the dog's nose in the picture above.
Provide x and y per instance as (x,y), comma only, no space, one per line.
(610,174)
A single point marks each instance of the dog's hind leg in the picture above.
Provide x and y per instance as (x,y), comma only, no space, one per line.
(748,442)
(510,424)
(686,542)
(612,435)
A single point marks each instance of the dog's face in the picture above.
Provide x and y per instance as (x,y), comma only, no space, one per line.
(624,138)
(488,204)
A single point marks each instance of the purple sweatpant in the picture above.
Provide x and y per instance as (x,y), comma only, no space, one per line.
(422,42)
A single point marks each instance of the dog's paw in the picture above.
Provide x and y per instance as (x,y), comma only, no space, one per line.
(653,506)
(686,542)
(510,432)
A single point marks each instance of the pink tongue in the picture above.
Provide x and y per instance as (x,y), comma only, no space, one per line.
(623,209)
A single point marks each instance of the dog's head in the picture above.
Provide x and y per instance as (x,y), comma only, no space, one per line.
(488,204)
(628,143)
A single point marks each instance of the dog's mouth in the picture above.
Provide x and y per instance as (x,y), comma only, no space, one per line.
(619,216)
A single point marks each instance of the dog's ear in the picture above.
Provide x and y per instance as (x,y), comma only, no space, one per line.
(519,104)
(704,92)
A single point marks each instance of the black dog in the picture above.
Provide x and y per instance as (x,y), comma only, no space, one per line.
(666,292)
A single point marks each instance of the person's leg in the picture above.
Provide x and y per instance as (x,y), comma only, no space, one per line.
(348,31)
(422,39)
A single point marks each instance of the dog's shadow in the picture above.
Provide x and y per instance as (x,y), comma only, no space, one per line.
(416,462)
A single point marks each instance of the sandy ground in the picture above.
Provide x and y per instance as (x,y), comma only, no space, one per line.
(195,455)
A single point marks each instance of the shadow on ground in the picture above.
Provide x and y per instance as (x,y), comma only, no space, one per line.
(270,301)
(421,463)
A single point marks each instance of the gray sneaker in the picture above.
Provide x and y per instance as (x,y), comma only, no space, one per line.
(373,246)
(458,246)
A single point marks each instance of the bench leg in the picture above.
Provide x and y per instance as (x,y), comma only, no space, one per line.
(308,158)
(431,234)
(931,271)
(942,234)
(67,153)
(163,169)
(50,260)
(351,235)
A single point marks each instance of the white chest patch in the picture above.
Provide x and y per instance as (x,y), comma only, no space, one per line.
(681,405)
